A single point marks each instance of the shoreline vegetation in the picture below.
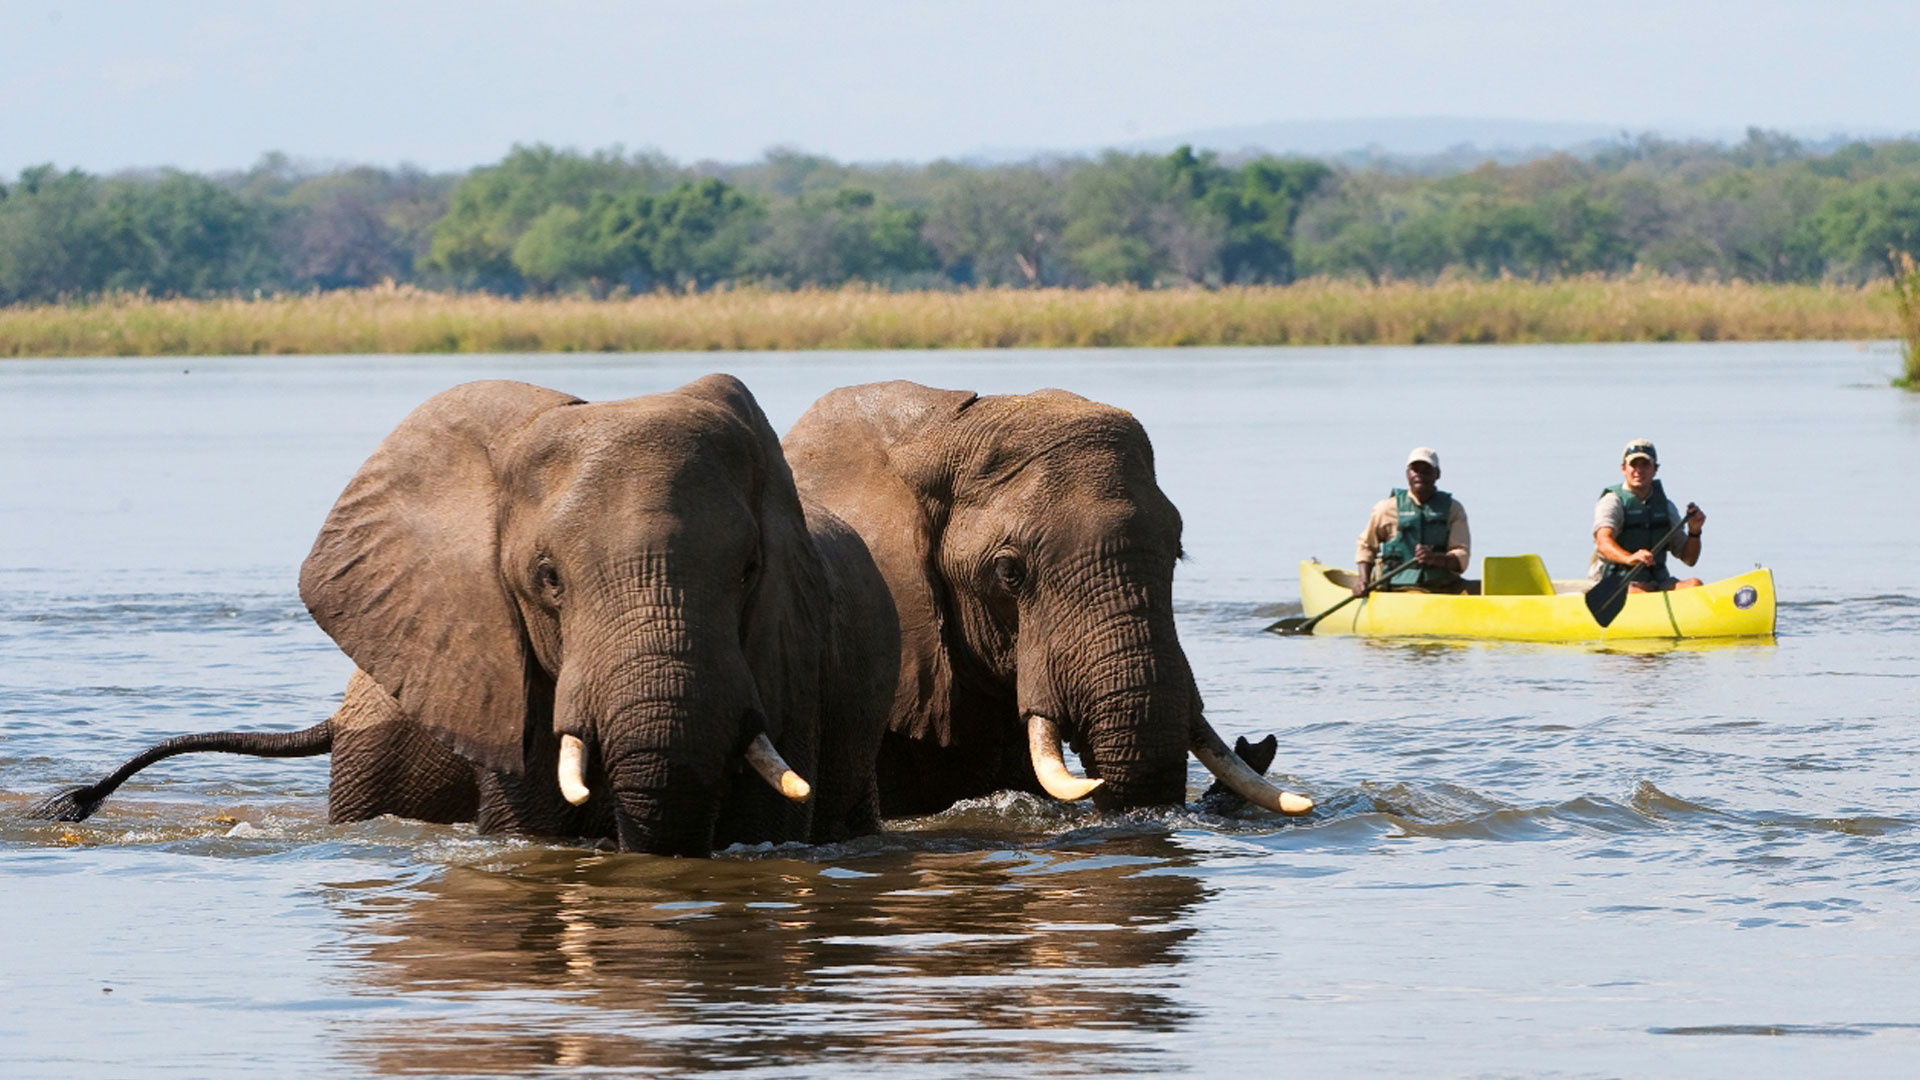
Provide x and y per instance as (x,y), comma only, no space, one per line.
(405,319)
(1906,299)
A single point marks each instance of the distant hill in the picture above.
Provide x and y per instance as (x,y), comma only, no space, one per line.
(1427,142)
(1399,136)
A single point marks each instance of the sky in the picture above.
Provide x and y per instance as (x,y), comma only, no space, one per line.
(211,86)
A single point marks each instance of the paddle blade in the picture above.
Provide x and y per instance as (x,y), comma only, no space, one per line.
(1290,625)
(1606,599)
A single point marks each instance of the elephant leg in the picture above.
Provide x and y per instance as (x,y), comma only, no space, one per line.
(857,683)
(919,776)
(386,763)
(530,804)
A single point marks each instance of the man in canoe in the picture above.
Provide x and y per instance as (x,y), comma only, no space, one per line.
(1419,528)
(1635,527)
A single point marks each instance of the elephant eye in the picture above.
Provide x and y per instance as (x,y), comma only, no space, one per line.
(1010,570)
(547,576)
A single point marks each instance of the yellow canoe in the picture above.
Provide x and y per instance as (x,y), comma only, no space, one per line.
(1520,603)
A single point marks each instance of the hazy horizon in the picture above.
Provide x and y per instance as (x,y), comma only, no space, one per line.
(214,85)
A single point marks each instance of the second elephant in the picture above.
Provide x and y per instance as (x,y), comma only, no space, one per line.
(1030,553)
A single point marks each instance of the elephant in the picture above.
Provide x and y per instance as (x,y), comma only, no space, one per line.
(1030,553)
(592,620)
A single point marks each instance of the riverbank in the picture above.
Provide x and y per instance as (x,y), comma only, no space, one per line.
(407,320)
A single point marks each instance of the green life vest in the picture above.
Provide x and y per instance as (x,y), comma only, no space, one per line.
(1647,526)
(1419,524)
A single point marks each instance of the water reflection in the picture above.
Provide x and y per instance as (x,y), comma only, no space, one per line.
(1043,960)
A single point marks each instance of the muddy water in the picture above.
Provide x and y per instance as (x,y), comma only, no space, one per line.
(1527,861)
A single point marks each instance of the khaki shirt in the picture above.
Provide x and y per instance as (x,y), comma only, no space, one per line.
(1609,514)
(1384,523)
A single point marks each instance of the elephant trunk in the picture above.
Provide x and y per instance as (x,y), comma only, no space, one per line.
(656,719)
(1123,695)
(648,821)
(1136,740)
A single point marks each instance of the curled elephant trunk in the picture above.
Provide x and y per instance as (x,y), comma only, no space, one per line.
(1043,744)
(760,754)
(1222,762)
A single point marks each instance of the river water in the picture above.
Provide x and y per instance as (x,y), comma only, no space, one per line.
(1527,860)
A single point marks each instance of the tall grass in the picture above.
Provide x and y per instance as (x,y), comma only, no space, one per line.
(1906,297)
(1319,312)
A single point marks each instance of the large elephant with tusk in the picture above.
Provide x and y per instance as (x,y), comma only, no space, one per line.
(1031,555)
(604,619)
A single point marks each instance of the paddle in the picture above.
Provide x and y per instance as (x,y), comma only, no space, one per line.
(1300,624)
(1608,596)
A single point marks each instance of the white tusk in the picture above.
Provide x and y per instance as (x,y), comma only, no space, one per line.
(573,770)
(774,770)
(1239,778)
(1043,743)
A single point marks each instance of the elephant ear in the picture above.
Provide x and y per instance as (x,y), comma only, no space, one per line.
(786,621)
(405,574)
(874,455)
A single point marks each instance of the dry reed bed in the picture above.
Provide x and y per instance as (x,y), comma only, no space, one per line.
(406,320)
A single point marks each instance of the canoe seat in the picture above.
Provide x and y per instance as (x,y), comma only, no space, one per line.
(1514,575)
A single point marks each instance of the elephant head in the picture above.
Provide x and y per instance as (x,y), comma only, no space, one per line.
(617,603)
(1031,557)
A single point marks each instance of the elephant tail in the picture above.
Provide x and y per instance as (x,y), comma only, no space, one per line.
(77,804)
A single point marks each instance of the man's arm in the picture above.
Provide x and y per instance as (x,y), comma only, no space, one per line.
(1459,541)
(1367,550)
(1608,518)
(1610,550)
(1686,546)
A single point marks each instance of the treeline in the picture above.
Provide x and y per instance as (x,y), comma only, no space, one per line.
(549,221)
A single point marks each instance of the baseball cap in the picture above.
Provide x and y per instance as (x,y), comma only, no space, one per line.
(1639,448)
(1426,454)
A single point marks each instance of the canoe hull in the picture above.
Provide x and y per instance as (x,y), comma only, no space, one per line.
(1741,606)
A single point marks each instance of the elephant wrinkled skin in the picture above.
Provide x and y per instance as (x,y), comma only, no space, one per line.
(514,569)
(1031,555)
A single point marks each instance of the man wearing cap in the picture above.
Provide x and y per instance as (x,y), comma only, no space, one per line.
(1418,525)
(1635,527)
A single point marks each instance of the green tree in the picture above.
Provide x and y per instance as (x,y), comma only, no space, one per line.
(1859,226)
(1495,237)
(848,236)
(490,209)
(1119,207)
(184,236)
(701,232)
(1260,204)
(51,235)
(1587,232)
(999,227)
(560,247)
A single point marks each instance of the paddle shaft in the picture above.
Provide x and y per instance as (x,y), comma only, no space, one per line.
(1307,626)
(1605,607)
(1664,541)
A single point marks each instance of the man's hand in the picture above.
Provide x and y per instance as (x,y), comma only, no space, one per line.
(1695,518)
(1643,557)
